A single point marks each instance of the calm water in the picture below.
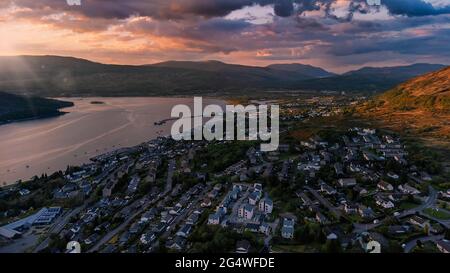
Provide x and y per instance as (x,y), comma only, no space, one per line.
(33,147)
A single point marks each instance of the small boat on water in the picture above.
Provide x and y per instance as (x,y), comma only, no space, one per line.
(159,122)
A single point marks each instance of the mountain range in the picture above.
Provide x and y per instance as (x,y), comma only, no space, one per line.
(67,76)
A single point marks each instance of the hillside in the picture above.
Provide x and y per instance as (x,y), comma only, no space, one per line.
(53,76)
(14,107)
(421,104)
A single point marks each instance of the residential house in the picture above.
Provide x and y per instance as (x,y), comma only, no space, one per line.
(360,190)
(266,205)
(443,246)
(407,189)
(382,202)
(327,189)
(321,219)
(184,231)
(214,219)
(149,215)
(246,211)
(393,175)
(178,243)
(385,186)
(242,246)
(365,212)
(253,227)
(350,209)
(24,192)
(419,221)
(265,228)
(148,237)
(398,230)
(338,169)
(253,198)
(205,203)
(287,230)
(192,219)
(133,185)
(257,187)
(347,182)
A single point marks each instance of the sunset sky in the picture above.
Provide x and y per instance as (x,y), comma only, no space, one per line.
(338,35)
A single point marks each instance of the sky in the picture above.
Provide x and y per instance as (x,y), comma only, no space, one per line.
(338,35)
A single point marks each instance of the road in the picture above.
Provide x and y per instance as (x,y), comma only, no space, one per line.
(117,230)
(58,227)
(171,169)
(325,202)
(185,213)
(411,244)
(431,200)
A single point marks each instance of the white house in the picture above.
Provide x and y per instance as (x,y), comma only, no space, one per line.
(246,211)
(384,203)
(287,231)
(385,186)
(266,205)
(147,238)
(253,198)
(184,231)
(405,188)
(214,219)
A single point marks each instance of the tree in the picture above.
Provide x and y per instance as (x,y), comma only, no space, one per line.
(447,234)
(419,243)
(426,229)
(332,246)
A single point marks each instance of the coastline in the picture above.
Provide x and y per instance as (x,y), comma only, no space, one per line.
(43,116)
(93,153)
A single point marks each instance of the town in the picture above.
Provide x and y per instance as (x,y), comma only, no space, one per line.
(327,193)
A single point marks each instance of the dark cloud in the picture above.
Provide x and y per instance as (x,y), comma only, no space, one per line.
(432,42)
(414,8)
(283,8)
(223,25)
(416,30)
(184,9)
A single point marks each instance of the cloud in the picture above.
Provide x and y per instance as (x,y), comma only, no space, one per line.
(186,9)
(264,53)
(414,8)
(297,30)
(283,8)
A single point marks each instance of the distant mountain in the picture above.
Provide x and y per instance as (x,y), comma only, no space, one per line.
(53,76)
(66,76)
(15,107)
(307,70)
(421,105)
(236,70)
(369,79)
(404,72)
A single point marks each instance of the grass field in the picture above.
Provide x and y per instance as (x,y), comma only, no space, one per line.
(440,214)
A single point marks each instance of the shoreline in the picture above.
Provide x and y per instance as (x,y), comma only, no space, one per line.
(49,115)
(167,119)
